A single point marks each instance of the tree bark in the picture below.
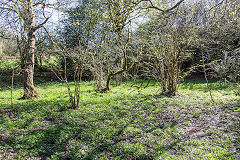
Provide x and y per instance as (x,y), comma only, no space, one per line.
(29,90)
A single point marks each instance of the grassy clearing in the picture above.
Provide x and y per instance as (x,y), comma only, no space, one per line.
(124,124)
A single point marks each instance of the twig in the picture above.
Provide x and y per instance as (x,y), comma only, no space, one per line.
(205,76)
(12,87)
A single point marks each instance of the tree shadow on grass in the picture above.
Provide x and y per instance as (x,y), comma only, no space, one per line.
(119,138)
(106,146)
(39,140)
(65,134)
(46,143)
(42,141)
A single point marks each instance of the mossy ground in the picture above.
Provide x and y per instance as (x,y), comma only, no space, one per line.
(126,123)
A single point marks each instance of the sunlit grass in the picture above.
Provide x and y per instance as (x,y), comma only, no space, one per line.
(126,123)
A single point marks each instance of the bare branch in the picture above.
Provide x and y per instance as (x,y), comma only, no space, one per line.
(42,24)
(152,6)
(175,6)
(216,5)
(49,35)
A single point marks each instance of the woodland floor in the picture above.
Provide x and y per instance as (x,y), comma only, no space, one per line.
(127,123)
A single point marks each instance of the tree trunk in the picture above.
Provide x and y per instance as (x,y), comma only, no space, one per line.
(29,91)
(108,87)
(124,68)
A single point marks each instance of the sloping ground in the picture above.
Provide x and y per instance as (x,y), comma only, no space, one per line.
(124,124)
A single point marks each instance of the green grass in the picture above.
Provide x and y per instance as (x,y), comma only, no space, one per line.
(9,64)
(126,123)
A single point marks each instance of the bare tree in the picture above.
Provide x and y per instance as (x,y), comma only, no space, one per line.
(31,16)
(77,58)
(165,40)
